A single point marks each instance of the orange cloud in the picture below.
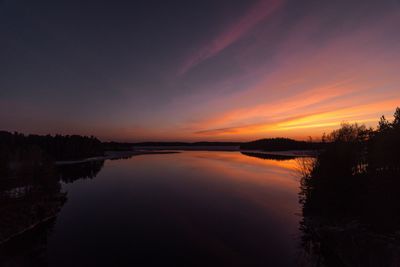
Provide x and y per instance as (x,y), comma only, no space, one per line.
(351,78)
(367,113)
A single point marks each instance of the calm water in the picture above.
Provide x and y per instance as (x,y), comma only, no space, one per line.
(185,209)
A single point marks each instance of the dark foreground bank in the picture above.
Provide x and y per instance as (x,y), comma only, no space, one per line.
(351,197)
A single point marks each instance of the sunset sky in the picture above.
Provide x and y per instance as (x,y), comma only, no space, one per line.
(227,70)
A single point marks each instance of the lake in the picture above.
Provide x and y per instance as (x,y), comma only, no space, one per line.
(193,208)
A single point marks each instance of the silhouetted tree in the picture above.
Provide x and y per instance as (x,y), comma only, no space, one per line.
(357,176)
(56,147)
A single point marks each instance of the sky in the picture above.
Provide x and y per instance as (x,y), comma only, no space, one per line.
(209,70)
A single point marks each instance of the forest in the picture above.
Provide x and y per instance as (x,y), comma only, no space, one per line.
(34,155)
(357,177)
(281,144)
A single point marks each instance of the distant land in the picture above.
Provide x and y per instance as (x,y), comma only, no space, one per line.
(268,144)
(76,147)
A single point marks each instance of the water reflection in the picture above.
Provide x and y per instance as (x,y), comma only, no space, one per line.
(69,173)
(268,156)
(25,203)
(187,209)
(33,202)
(252,163)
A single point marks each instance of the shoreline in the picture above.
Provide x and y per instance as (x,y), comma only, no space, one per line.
(287,153)
(155,150)
(31,227)
(114,155)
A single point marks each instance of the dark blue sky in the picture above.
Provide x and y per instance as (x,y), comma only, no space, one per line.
(196,70)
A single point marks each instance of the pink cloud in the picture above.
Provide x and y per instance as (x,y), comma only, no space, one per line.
(257,13)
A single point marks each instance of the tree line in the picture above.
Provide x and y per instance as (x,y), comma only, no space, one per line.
(281,144)
(357,176)
(34,154)
(58,147)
